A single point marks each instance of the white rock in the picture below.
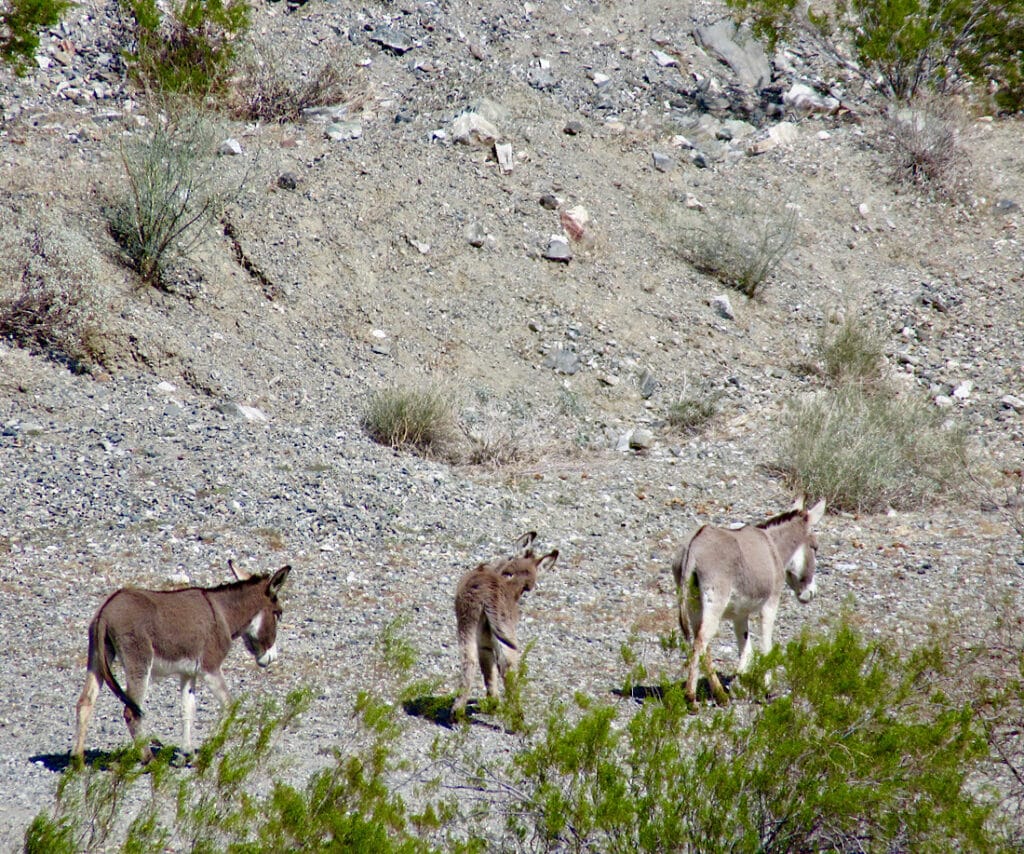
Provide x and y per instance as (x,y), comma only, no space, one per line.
(230,146)
(474,129)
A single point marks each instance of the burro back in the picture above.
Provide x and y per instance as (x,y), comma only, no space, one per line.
(734,574)
(487,616)
(185,633)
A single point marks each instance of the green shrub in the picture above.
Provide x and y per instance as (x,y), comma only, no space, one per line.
(172,193)
(856,753)
(420,419)
(20,23)
(858,747)
(852,352)
(905,47)
(190,50)
(740,242)
(865,449)
(48,299)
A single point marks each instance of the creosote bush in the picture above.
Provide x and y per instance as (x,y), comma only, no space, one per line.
(186,48)
(20,23)
(417,418)
(866,449)
(858,747)
(172,193)
(907,47)
(740,242)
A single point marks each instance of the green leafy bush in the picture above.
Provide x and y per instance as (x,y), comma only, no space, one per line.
(908,46)
(20,23)
(417,418)
(859,746)
(190,50)
(864,449)
(857,752)
(172,192)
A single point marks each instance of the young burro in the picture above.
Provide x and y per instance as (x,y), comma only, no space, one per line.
(733,574)
(184,633)
(487,614)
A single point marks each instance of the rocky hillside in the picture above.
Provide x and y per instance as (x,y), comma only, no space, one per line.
(496,208)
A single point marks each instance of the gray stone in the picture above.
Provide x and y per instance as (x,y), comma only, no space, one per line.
(558,249)
(723,307)
(641,439)
(563,361)
(392,39)
(737,49)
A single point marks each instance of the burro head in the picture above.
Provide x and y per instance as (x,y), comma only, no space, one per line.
(801,567)
(260,636)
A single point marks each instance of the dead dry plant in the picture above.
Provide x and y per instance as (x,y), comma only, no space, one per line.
(926,143)
(262,92)
(47,301)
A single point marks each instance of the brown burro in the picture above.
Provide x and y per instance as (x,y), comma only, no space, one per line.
(184,633)
(487,614)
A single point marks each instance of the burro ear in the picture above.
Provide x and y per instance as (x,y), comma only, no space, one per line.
(548,560)
(278,579)
(522,545)
(815,514)
(800,502)
(238,572)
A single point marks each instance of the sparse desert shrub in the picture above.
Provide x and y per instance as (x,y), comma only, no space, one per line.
(262,92)
(172,192)
(48,300)
(20,23)
(740,242)
(925,141)
(417,418)
(865,449)
(852,352)
(692,412)
(186,48)
(910,46)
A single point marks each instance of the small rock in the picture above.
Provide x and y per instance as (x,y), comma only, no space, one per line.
(549,202)
(563,361)
(663,59)
(641,439)
(963,390)
(662,162)
(230,147)
(723,307)
(573,128)
(1010,401)
(343,131)
(558,249)
(648,384)
(391,39)
(287,181)
(474,129)
(574,221)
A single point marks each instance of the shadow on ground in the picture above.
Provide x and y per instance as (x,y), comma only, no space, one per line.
(643,693)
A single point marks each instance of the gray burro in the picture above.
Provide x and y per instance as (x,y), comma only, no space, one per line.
(184,633)
(733,574)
